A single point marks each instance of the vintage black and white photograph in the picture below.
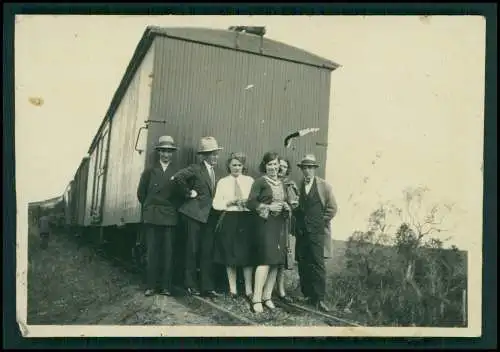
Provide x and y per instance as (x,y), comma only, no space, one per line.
(249,175)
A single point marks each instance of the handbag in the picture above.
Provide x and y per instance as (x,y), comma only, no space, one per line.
(289,262)
(289,259)
(219,222)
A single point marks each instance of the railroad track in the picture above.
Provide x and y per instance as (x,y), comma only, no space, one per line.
(227,317)
(230,316)
(329,319)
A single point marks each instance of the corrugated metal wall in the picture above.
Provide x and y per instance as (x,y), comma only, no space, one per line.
(125,165)
(250,103)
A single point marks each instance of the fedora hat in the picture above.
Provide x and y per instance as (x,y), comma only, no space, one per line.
(166,142)
(308,160)
(208,144)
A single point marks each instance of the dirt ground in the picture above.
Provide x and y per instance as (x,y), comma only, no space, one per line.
(72,284)
(68,284)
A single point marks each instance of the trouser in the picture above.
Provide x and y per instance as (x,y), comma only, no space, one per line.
(179,255)
(159,241)
(311,264)
(44,237)
(199,253)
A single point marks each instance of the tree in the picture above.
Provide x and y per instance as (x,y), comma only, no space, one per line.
(405,276)
(422,220)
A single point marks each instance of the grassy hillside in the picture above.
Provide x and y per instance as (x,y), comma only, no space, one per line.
(370,283)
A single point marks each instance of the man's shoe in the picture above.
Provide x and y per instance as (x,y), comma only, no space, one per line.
(322,307)
(306,300)
(192,291)
(149,292)
(210,294)
(165,293)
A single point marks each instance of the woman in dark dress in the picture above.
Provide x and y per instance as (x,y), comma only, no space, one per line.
(293,199)
(267,200)
(233,244)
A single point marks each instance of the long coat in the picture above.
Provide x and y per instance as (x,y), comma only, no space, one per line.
(158,196)
(196,177)
(330,210)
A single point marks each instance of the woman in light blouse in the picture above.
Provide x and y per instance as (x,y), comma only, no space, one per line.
(233,243)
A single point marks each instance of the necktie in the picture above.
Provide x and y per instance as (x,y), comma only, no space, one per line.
(212,176)
(238,194)
(308,186)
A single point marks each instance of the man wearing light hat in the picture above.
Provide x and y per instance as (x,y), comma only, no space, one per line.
(197,182)
(157,194)
(317,207)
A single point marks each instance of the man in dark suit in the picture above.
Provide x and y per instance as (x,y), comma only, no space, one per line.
(317,207)
(197,182)
(156,193)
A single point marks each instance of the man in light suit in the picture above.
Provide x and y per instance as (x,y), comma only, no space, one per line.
(159,200)
(197,182)
(317,207)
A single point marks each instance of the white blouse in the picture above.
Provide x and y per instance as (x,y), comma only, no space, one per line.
(225,192)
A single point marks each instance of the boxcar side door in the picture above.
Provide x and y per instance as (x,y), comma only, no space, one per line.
(100,175)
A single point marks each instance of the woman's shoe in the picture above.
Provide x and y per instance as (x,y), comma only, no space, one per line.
(259,310)
(268,303)
(232,295)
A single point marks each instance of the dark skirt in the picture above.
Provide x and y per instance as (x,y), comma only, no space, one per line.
(233,240)
(270,240)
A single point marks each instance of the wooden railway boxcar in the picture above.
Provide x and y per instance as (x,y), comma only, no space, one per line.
(247,91)
(66,199)
(74,198)
(53,207)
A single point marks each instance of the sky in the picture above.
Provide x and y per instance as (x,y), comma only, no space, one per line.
(406,109)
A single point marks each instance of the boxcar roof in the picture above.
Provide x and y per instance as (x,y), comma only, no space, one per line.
(229,39)
(46,202)
(82,162)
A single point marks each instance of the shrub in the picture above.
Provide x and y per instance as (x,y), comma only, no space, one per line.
(405,278)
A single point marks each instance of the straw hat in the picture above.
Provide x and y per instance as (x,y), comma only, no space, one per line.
(166,142)
(308,160)
(208,144)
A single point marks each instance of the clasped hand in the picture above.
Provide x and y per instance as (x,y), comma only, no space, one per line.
(237,202)
(278,207)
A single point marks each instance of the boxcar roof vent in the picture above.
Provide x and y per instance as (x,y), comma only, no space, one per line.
(260,31)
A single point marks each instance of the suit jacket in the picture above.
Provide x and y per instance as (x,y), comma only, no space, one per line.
(196,177)
(330,210)
(157,194)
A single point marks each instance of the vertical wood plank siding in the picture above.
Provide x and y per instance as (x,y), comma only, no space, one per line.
(90,188)
(74,201)
(67,204)
(82,192)
(248,102)
(125,165)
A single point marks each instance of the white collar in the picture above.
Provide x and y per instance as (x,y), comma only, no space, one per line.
(164,165)
(310,181)
(207,165)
